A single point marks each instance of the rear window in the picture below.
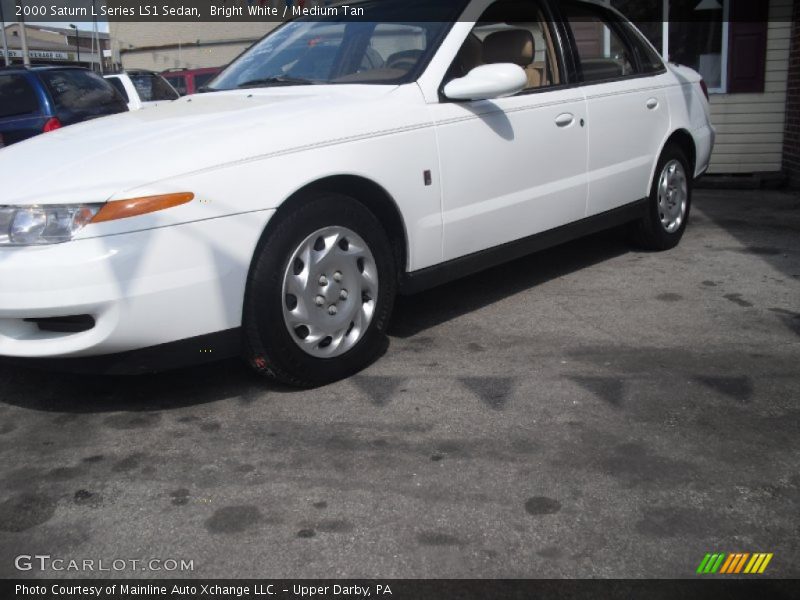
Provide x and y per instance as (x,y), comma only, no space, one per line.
(117,83)
(17,96)
(152,87)
(80,91)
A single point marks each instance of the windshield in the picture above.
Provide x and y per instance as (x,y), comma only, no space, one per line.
(339,51)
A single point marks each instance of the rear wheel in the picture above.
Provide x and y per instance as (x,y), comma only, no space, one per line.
(669,203)
(320,293)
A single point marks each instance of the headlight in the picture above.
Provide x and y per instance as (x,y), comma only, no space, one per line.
(40,225)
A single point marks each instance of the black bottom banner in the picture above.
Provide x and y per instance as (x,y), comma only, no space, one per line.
(399,589)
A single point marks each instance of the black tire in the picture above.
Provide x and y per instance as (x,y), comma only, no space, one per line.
(269,347)
(649,233)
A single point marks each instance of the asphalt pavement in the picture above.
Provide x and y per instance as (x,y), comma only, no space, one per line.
(589,411)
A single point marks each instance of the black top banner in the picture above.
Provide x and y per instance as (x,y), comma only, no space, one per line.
(70,11)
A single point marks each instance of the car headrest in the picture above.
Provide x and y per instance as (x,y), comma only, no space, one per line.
(515,46)
(471,53)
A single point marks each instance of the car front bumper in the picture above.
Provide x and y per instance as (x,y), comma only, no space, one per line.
(141,289)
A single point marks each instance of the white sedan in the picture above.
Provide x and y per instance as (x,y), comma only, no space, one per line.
(333,165)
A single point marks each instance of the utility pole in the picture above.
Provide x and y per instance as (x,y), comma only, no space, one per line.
(23,38)
(77,41)
(94,37)
(6,56)
(97,37)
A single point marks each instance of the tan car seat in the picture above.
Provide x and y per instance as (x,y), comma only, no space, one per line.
(516,46)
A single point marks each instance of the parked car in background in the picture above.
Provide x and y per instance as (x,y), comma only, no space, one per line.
(36,100)
(142,88)
(278,216)
(190,81)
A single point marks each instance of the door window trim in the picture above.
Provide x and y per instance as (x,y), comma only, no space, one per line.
(566,74)
(608,17)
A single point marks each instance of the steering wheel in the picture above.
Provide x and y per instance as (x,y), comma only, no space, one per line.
(403,64)
(404,60)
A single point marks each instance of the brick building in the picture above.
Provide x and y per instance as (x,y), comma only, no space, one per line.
(57,45)
(162,46)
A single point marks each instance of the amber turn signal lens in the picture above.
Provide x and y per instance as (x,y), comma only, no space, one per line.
(122,209)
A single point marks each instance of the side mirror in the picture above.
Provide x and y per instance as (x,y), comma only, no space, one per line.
(487,82)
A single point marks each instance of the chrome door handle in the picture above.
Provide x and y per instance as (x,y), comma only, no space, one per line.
(652,104)
(565,120)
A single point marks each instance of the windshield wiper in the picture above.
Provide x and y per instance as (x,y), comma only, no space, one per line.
(281,80)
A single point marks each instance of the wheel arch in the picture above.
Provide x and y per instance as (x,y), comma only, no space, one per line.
(365,191)
(683,140)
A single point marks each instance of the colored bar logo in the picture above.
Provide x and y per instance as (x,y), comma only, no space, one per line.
(734,564)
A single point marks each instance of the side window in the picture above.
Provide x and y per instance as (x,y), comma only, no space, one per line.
(511,31)
(162,90)
(178,82)
(649,60)
(152,87)
(17,96)
(117,83)
(602,52)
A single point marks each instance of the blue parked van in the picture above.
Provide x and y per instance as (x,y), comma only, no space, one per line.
(36,100)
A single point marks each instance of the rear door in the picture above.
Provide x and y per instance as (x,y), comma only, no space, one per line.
(21,111)
(627,109)
(79,95)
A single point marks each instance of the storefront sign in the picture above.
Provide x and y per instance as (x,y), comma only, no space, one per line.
(39,54)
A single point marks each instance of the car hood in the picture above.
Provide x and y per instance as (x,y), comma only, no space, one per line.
(95,161)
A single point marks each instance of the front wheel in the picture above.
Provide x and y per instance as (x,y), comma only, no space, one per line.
(320,293)
(669,203)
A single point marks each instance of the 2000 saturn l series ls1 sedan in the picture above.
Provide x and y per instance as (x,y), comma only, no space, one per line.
(332,165)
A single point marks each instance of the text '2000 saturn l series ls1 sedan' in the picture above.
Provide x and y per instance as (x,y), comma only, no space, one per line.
(332,165)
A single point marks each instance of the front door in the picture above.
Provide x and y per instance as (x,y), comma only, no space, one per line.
(511,167)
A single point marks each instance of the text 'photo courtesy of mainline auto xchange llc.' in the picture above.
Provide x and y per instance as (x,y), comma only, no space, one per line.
(403,299)
(216,590)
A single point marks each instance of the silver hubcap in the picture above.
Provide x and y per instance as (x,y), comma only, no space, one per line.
(673,196)
(330,290)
